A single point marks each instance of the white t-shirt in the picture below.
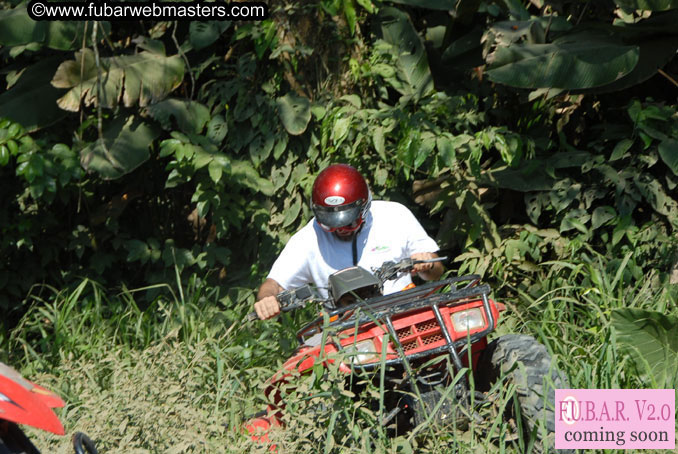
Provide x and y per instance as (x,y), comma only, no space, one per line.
(390,233)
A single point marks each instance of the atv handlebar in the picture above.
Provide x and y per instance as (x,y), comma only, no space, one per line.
(296,298)
(389,270)
(292,299)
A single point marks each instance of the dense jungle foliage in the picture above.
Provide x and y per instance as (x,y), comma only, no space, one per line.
(150,172)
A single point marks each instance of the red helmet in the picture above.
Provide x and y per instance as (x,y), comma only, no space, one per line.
(340,199)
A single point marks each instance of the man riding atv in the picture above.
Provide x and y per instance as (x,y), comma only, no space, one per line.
(349,229)
(420,337)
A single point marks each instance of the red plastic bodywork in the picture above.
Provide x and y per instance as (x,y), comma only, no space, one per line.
(417,332)
(24,402)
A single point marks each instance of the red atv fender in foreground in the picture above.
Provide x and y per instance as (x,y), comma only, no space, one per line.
(24,402)
(439,319)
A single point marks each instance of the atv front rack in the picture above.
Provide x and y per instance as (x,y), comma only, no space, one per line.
(382,309)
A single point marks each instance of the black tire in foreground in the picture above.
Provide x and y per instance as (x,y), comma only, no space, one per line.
(14,441)
(523,361)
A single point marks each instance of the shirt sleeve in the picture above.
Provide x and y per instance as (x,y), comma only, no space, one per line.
(417,238)
(291,268)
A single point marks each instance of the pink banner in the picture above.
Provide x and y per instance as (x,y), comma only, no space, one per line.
(615,418)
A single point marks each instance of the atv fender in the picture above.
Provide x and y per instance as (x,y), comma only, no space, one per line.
(32,406)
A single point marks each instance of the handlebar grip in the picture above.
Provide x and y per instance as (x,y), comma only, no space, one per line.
(288,300)
(437,259)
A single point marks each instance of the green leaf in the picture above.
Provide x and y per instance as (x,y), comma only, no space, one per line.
(379,141)
(564,193)
(202,158)
(651,340)
(217,128)
(137,251)
(601,215)
(620,149)
(292,212)
(242,172)
(215,170)
(534,204)
(127,143)
(653,53)
(523,179)
(17,28)
(13,147)
(4,155)
(586,61)
(280,145)
(294,112)
(463,44)
(575,219)
(354,100)
(202,34)
(32,101)
(412,63)
(190,116)
(446,151)
(144,78)
(668,151)
(425,149)
(441,5)
(350,14)
(647,5)
(367,5)
(260,148)
(653,191)
(340,130)
(625,227)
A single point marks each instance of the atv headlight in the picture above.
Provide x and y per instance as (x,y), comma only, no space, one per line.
(468,320)
(361,352)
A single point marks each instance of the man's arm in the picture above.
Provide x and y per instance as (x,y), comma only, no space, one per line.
(267,305)
(427,271)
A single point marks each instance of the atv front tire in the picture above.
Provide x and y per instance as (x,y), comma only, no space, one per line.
(523,361)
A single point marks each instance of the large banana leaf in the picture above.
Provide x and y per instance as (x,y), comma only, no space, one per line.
(32,101)
(143,78)
(17,28)
(191,116)
(651,340)
(123,148)
(584,61)
(657,41)
(601,59)
(652,54)
(412,66)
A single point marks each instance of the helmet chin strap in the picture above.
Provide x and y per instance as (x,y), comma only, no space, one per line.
(354,249)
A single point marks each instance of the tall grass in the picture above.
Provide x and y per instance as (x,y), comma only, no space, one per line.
(181,373)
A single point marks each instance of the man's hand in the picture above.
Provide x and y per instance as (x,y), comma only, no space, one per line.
(267,305)
(266,308)
(427,271)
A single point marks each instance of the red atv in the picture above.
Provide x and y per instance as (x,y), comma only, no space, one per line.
(23,402)
(405,333)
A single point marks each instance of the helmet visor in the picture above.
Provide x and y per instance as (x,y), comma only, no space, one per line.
(339,216)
